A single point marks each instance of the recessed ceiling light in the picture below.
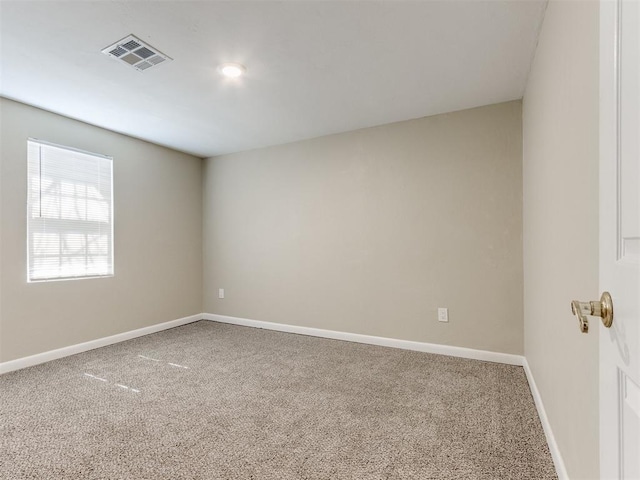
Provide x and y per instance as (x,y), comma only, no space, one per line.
(232,70)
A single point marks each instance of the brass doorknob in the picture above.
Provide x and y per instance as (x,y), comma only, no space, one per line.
(602,308)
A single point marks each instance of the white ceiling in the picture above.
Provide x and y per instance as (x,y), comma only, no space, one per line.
(313,68)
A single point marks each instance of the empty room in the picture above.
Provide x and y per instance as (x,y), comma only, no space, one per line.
(320,239)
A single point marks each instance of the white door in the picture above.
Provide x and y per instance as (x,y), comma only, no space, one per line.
(620,237)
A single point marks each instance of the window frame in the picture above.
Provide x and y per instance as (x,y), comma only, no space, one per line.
(60,228)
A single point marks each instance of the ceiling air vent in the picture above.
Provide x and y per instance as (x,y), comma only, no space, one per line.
(136,53)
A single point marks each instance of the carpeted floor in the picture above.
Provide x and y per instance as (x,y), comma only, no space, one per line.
(215,401)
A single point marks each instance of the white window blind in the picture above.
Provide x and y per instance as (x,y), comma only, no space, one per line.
(69,213)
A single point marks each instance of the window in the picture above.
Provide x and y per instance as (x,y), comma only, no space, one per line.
(69,213)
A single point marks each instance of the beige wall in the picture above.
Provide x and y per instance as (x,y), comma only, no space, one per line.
(158,240)
(560,145)
(370,231)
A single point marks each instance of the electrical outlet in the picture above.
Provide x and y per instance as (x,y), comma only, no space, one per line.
(221,293)
(443,314)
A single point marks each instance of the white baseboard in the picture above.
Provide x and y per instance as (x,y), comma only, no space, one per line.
(546,426)
(371,340)
(100,342)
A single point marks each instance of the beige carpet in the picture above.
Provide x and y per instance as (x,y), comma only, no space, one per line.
(214,401)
